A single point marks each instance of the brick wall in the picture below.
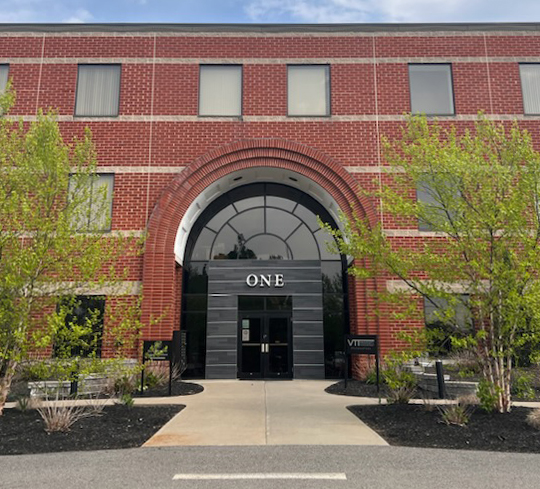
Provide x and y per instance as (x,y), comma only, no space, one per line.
(156,144)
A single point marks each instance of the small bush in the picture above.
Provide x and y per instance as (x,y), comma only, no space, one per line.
(533,418)
(457,414)
(466,361)
(156,375)
(26,403)
(401,383)
(522,386)
(61,417)
(127,400)
(487,394)
(126,384)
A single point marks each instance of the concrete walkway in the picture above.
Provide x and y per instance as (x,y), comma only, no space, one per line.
(237,412)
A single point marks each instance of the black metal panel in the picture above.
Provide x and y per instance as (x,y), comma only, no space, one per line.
(301,280)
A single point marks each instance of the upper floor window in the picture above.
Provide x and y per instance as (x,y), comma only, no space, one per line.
(308,90)
(4,71)
(220,90)
(93,196)
(98,90)
(530,87)
(431,89)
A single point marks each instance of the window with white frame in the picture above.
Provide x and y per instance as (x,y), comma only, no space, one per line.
(431,89)
(308,90)
(98,91)
(220,90)
(4,72)
(92,201)
(530,88)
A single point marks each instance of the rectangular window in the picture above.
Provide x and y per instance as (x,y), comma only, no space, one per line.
(431,89)
(98,91)
(93,198)
(83,332)
(308,88)
(448,319)
(4,71)
(220,91)
(439,196)
(530,87)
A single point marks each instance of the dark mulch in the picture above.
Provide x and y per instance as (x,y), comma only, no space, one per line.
(179,388)
(118,427)
(414,426)
(355,388)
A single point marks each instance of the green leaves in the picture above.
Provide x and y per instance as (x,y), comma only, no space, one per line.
(43,258)
(473,195)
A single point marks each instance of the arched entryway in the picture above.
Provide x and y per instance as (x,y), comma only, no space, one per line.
(183,213)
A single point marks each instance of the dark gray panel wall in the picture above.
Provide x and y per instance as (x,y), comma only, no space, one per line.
(302,281)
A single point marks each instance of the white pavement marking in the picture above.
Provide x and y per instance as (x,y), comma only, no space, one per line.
(307,476)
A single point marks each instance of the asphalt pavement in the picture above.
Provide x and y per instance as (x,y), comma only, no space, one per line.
(370,467)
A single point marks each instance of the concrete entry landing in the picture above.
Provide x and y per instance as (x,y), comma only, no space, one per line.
(235,412)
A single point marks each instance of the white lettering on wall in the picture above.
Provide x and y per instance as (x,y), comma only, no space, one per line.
(268,280)
(252,280)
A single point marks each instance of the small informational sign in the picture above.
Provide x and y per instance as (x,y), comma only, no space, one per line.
(245,335)
(245,323)
(157,351)
(361,344)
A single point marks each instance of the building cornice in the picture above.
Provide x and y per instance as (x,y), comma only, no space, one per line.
(273,29)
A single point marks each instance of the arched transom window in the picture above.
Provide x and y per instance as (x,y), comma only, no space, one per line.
(262,222)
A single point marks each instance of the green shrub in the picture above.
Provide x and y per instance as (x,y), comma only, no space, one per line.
(522,386)
(487,394)
(155,376)
(127,400)
(26,403)
(401,383)
(459,413)
(125,385)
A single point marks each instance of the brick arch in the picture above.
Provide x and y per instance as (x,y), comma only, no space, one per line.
(160,277)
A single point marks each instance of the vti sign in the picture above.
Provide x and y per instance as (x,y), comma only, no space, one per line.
(270,280)
(361,344)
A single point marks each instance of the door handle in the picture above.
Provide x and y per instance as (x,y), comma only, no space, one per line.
(262,348)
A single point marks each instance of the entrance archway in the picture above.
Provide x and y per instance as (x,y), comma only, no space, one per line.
(162,275)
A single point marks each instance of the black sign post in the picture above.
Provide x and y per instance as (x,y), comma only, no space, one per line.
(157,351)
(362,344)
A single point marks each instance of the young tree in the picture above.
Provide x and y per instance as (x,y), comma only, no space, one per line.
(478,192)
(51,212)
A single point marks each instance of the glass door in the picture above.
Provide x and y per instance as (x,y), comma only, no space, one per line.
(251,347)
(265,346)
(278,346)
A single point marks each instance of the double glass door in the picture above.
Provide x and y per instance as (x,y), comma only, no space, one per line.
(265,345)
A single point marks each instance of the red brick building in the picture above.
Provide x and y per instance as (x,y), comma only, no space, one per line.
(223,142)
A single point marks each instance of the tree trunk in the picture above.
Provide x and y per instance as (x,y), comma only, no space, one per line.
(5,384)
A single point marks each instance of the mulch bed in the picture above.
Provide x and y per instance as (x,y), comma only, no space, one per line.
(179,388)
(414,426)
(118,427)
(355,388)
